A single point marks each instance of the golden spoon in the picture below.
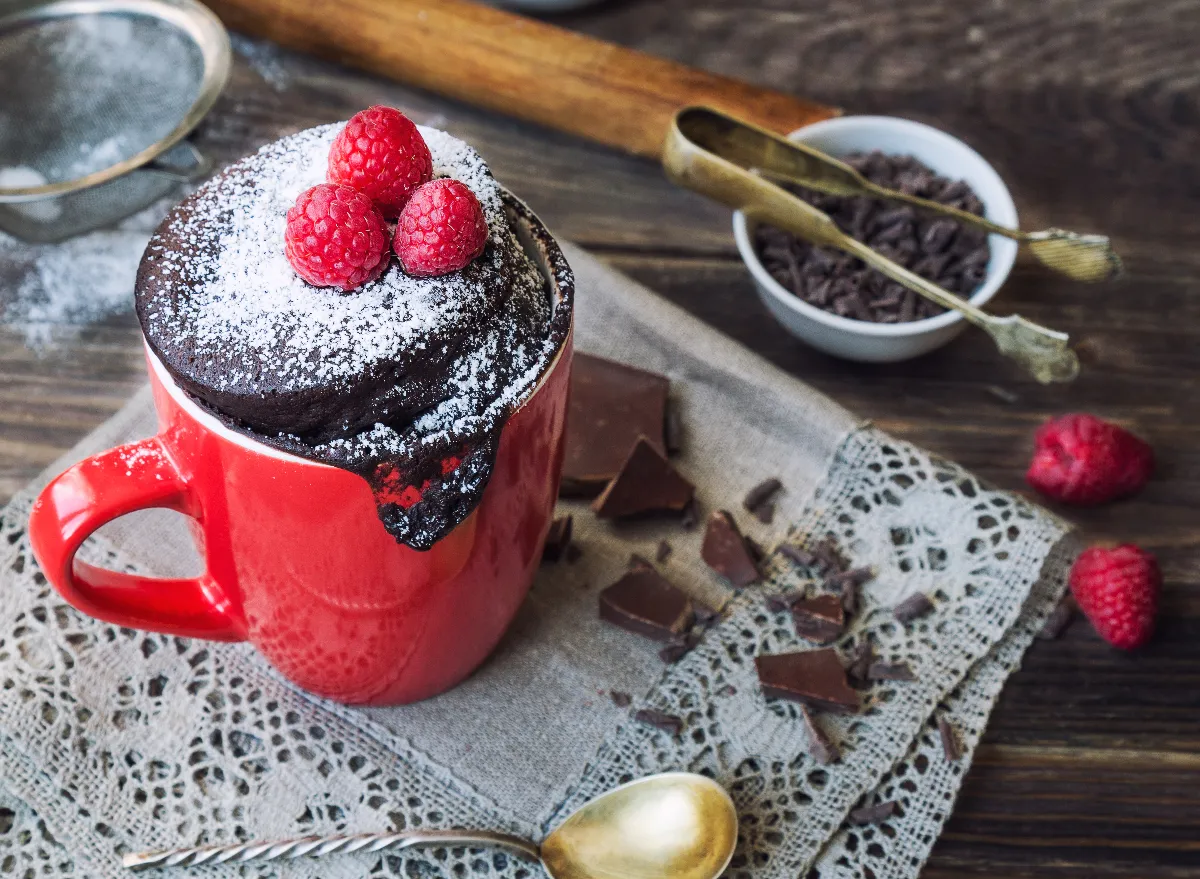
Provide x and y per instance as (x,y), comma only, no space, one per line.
(696,155)
(676,825)
(1078,256)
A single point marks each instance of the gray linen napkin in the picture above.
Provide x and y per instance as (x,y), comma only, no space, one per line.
(118,740)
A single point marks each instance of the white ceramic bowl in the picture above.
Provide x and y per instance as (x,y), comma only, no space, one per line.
(887,343)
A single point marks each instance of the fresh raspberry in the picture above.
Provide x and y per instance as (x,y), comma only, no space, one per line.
(381,153)
(1117,589)
(335,237)
(1081,459)
(441,229)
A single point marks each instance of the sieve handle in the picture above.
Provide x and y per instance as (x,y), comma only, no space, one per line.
(193,166)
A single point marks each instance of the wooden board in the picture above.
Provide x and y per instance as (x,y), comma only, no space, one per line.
(1091,765)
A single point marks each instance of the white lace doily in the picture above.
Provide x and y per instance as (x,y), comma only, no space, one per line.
(115,739)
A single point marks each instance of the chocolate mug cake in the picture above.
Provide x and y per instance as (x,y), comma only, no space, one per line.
(405,380)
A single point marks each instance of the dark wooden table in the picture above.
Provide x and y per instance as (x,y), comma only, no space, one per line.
(1091,111)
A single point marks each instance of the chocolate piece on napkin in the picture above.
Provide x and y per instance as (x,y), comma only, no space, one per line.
(890,671)
(646,483)
(611,405)
(873,814)
(558,538)
(620,698)
(645,602)
(679,647)
(797,554)
(821,619)
(951,747)
(660,720)
(914,607)
(726,552)
(814,677)
(820,748)
(759,500)
(861,659)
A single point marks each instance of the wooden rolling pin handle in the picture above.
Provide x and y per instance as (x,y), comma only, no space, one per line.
(514,65)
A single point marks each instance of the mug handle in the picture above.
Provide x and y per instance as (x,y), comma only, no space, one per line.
(136,476)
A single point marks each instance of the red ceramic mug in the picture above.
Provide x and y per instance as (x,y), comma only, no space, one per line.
(297,561)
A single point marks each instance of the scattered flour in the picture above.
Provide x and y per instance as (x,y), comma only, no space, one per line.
(265,58)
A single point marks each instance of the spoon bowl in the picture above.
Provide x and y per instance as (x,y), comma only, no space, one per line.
(676,824)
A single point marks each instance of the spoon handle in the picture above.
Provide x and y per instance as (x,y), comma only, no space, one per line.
(319,846)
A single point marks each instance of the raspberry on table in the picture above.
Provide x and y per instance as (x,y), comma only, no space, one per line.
(1081,459)
(336,237)
(441,229)
(381,153)
(1118,590)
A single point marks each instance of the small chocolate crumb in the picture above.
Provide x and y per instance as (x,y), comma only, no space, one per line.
(691,516)
(861,658)
(646,483)
(761,494)
(620,699)
(873,814)
(890,671)
(1058,620)
(727,690)
(913,607)
(855,576)
(819,746)
(673,427)
(819,619)
(558,538)
(645,602)
(850,598)
(764,512)
(573,553)
(815,677)
(638,562)
(660,720)
(663,552)
(951,747)
(829,557)
(705,615)
(726,551)
(799,555)
(778,602)
(679,647)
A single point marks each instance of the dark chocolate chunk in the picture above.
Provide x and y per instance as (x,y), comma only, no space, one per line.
(660,720)
(611,406)
(679,647)
(620,699)
(674,432)
(951,746)
(819,619)
(797,554)
(725,550)
(764,512)
(829,557)
(663,552)
(573,553)
(557,539)
(890,671)
(861,659)
(1058,620)
(913,607)
(646,483)
(814,677)
(755,549)
(761,494)
(780,602)
(645,602)
(705,616)
(820,748)
(691,516)
(873,814)
(857,576)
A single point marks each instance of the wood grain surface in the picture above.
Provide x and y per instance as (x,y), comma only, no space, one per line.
(1091,112)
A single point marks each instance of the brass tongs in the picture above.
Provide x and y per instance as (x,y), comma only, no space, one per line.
(731,161)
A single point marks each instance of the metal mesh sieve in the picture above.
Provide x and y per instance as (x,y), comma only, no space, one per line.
(98,96)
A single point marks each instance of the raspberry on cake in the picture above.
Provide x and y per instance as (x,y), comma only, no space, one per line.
(382,154)
(335,237)
(440,230)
